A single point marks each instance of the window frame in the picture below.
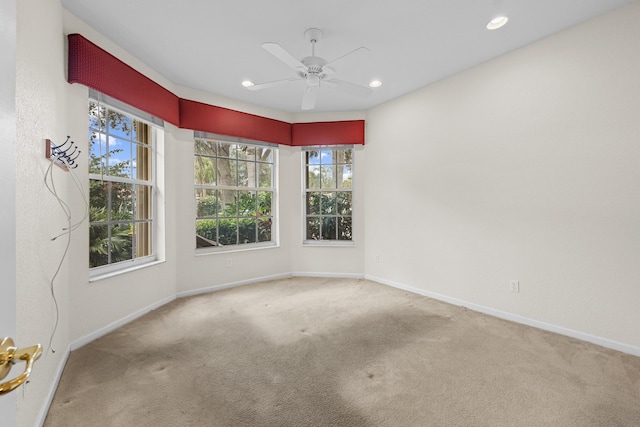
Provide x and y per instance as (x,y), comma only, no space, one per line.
(240,247)
(305,191)
(155,125)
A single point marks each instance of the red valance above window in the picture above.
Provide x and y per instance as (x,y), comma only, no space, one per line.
(328,133)
(94,67)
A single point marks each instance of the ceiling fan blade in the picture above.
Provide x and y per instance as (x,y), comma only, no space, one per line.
(309,98)
(348,87)
(351,58)
(284,56)
(272,84)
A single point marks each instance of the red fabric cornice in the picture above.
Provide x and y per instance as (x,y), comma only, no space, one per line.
(223,121)
(94,67)
(328,133)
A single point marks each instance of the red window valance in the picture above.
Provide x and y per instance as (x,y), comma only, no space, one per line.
(94,67)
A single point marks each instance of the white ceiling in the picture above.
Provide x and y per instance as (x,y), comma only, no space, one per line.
(212,45)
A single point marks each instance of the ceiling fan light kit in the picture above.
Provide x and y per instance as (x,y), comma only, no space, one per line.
(314,70)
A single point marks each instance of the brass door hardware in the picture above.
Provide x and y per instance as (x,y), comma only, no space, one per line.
(9,356)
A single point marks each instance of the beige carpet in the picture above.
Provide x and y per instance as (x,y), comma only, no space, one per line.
(338,352)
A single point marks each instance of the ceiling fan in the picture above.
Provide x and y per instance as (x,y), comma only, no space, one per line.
(315,71)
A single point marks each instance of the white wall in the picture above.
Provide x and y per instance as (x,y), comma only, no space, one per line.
(525,167)
(7,189)
(41,113)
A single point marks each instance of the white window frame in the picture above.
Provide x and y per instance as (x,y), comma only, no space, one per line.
(156,125)
(240,247)
(327,242)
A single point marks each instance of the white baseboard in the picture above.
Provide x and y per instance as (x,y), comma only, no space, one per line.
(604,342)
(231,285)
(119,323)
(328,275)
(44,410)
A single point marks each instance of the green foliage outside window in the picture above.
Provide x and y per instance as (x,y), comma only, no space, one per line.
(233,192)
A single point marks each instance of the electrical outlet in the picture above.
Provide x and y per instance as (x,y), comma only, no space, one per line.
(514,285)
(229,262)
(377,259)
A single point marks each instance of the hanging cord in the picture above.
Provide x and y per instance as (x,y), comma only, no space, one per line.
(50,185)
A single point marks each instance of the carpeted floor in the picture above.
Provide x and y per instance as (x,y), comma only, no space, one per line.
(339,352)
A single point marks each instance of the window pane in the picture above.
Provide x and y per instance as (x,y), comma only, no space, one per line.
(96,116)
(344,176)
(328,177)
(226,172)
(246,152)
(246,174)
(264,203)
(344,228)
(228,205)
(313,228)
(312,157)
(119,157)
(98,200)
(247,230)
(313,203)
(247,203)
(264,154)
(313,177)
(207,230)
(226,150)
(97,152)
(204,148)
(344,203)
(329,228)
(205,170)
(328,203)
(228,231)
(98,245)
(121,242)
(326,157)
(119,124)
(265,174)
(206,203)
(121,201)
(264,230)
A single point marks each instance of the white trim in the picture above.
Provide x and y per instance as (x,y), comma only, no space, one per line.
(122,270)
(604,342)
(215,288)
(44,410)
(328,275)
(119,323)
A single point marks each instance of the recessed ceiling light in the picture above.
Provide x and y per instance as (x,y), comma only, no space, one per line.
(497,22)
(375,83)
(247,83)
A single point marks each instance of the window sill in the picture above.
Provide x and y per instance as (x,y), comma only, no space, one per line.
(329,243)
(107,275)
(228,250)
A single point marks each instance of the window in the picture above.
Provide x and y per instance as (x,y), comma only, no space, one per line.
(328,193)
(121,188)
(234,194)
